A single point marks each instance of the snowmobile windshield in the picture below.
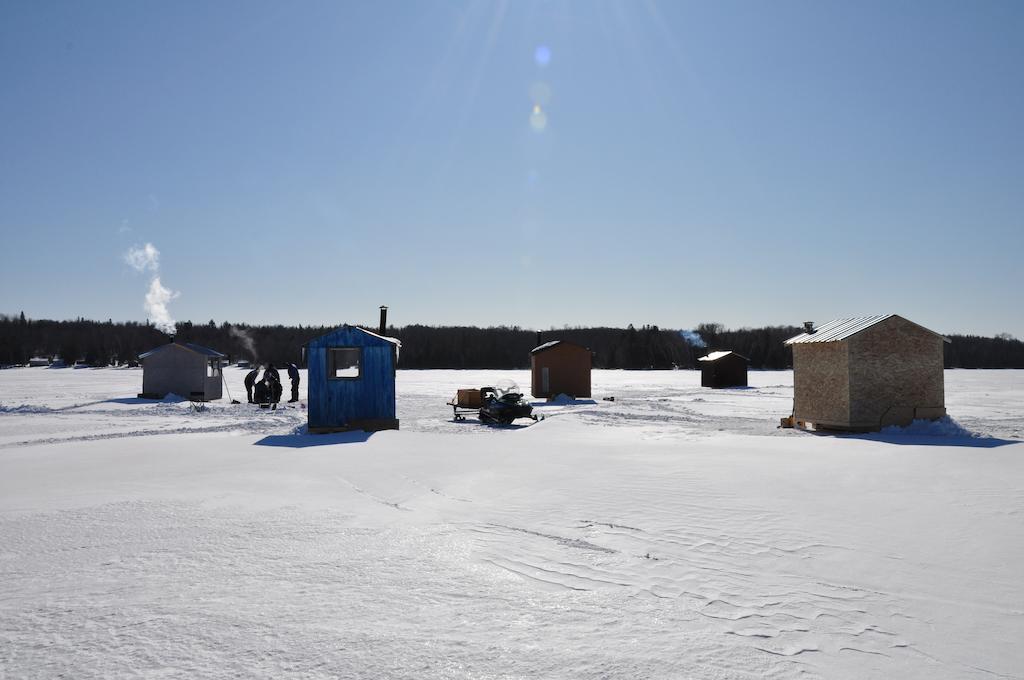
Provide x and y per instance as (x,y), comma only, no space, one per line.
(506,387)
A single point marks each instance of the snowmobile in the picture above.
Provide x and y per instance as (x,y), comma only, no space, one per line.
(503,404)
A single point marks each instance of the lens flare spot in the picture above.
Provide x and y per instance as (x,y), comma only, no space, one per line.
(542,55)
(538,119)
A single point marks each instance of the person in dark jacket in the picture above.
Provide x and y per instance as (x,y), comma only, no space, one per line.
(273,379)
(261,392)
(293,375)
(250,380)
(275,389)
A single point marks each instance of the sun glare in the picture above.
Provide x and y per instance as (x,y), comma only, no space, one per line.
(538,119)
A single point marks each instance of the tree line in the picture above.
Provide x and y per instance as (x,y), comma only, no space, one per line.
(103,343)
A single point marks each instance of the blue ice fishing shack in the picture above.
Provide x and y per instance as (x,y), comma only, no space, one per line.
(352,381)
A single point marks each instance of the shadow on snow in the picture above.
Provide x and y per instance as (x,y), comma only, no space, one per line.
(907,439)
(300,438)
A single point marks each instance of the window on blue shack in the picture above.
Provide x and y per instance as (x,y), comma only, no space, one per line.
(344,363)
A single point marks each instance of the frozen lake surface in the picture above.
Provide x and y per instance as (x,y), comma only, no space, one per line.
(675,532)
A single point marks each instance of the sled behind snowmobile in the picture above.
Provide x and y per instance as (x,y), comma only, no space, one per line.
(494,405)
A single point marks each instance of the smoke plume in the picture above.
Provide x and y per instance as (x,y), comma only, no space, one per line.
(245,339)
(147,258)
(693,338)
(141,259)
(156,305)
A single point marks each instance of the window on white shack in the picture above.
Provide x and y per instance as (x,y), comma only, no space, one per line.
(344,363)
(213,368)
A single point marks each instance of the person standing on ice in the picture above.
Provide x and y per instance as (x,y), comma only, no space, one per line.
(250,380)
(293,375)
(271,372)
(274,385)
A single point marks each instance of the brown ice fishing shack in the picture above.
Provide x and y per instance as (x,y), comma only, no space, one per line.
(866,373)
(560,367)
(723,369)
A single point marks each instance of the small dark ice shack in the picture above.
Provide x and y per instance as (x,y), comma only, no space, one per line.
(723,369)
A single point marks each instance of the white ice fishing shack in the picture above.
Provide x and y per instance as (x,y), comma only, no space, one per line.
(188,370)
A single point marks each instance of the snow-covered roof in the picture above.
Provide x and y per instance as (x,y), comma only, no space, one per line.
(549,345)
(715,356)
(841,329)
(198,349)
(394,341)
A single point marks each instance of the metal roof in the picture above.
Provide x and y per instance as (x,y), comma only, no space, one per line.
(841,329)
(385,338)
(204,350)
(715,356)
(343,328)
(198,349)
(549,345)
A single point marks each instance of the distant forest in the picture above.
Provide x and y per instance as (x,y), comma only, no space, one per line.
(103,343)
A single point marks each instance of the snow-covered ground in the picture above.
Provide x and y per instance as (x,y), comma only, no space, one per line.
(674,532)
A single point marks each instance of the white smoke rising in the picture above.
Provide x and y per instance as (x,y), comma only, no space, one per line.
(147,258)
(693,338)
(156,305)
(141,259)
(246,340)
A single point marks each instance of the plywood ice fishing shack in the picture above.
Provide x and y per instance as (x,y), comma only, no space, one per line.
(723,369)
(352,381)
(866,373)
(186,369)
(560,367)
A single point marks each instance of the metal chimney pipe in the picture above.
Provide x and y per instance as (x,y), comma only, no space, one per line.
(383,319)
(538,340)
(809,326)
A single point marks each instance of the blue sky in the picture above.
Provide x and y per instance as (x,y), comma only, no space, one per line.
(740,162)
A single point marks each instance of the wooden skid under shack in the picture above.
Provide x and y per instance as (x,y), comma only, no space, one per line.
(374,425)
